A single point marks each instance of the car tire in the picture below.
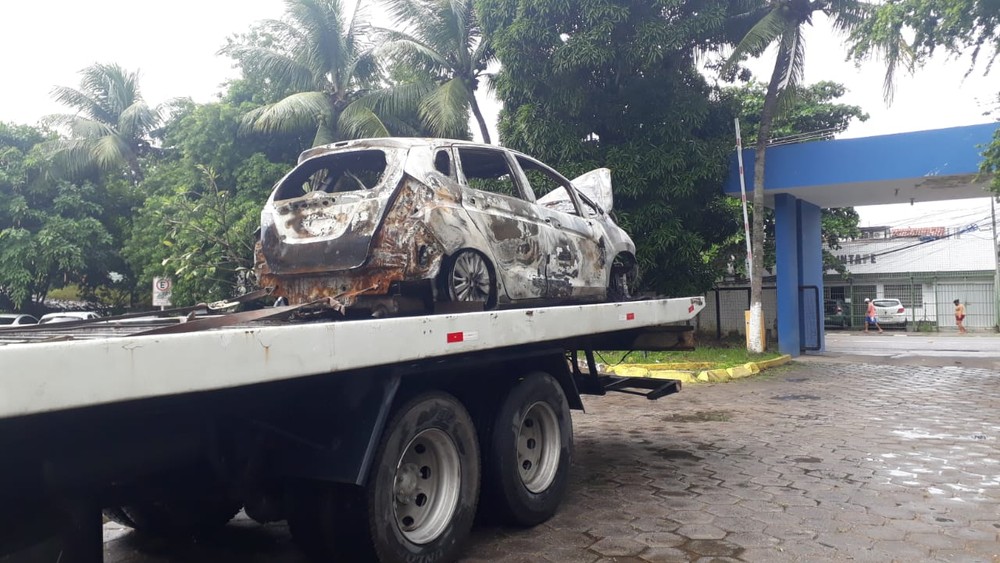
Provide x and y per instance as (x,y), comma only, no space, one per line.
(468,276)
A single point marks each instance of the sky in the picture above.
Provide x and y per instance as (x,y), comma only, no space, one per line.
(174,45)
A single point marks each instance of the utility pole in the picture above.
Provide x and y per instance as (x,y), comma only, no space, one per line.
(996,266)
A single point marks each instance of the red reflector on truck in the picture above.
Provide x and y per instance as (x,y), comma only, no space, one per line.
(465,336)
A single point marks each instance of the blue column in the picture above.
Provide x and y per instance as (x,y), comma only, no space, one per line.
(811,264)
(786,242)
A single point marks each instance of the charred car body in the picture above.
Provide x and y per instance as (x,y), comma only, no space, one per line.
(390,226)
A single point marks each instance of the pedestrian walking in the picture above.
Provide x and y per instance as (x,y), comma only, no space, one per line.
(960,316)
(871,318)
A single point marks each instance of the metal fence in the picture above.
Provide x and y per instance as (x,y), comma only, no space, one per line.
(724,313)
(929,300)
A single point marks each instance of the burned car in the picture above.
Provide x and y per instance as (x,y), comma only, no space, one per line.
(397,225)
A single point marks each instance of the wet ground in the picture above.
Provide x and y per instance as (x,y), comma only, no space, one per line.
(849,457)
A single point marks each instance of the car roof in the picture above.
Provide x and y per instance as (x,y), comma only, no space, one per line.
(396,143)
(75,314)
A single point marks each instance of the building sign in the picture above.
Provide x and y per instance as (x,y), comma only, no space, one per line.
(857,258)
(162,288)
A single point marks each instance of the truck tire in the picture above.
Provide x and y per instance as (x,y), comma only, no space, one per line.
(528,458)
(421,497)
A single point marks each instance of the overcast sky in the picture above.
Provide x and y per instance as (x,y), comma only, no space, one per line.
(174,44)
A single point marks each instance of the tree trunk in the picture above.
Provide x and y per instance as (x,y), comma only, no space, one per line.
(755,342)
(479,116)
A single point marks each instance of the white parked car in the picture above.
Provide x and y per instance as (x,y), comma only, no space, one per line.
(14,319)
(67,316)
(890,312)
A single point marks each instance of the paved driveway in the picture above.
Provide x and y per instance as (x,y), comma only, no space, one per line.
(816,461)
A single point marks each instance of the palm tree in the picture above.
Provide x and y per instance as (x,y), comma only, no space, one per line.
(112,124)
(444,40)
(321,55)
(782,23)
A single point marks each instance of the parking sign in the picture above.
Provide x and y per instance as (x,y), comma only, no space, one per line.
(161,291)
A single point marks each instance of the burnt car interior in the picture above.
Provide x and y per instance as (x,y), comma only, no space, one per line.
(335,173)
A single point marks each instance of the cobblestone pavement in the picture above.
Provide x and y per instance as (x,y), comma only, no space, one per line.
(814,461)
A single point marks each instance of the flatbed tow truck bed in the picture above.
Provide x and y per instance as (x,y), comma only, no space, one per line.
(409,424)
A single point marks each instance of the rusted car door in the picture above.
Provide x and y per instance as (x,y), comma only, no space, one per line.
(517,236)
(577,260)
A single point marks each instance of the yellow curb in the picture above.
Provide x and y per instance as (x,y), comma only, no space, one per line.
(774,362)
(740,371)
(629,371)
(686,366)
(671,371)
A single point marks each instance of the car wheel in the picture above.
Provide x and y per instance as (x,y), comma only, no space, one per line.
(469,277)
(622,280)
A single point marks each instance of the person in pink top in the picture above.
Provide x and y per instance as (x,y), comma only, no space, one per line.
(871,319)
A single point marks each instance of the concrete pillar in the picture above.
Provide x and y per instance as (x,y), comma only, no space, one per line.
(786,243)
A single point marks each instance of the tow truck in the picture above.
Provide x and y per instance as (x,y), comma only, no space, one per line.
(375,439)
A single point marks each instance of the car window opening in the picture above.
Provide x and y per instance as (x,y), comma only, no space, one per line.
(488,171)
(336,173)
(442,162)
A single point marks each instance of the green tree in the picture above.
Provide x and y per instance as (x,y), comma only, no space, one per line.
(957,26)
(319,59)
(615,83)
(196,232)
(443,40)
(50,232)
(110,129)
(782,23)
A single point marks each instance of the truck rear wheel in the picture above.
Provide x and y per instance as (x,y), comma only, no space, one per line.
(421,499)
(527,463)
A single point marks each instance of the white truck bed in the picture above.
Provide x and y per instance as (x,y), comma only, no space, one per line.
(39,377)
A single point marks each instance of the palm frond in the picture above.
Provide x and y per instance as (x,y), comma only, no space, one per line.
(81,102)
(110,152)
(768,29)
(446,109)
(397,101)
(360,121)
(791,57)
(279,66)
(848,15)
(322,24)
(411,13)
(137,120)
(412,51)
(291,114)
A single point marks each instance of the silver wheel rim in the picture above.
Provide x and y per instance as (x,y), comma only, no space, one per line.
(426,485)
(538,447)
(470,278)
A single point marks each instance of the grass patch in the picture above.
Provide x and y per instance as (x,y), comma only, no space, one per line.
(719,356)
